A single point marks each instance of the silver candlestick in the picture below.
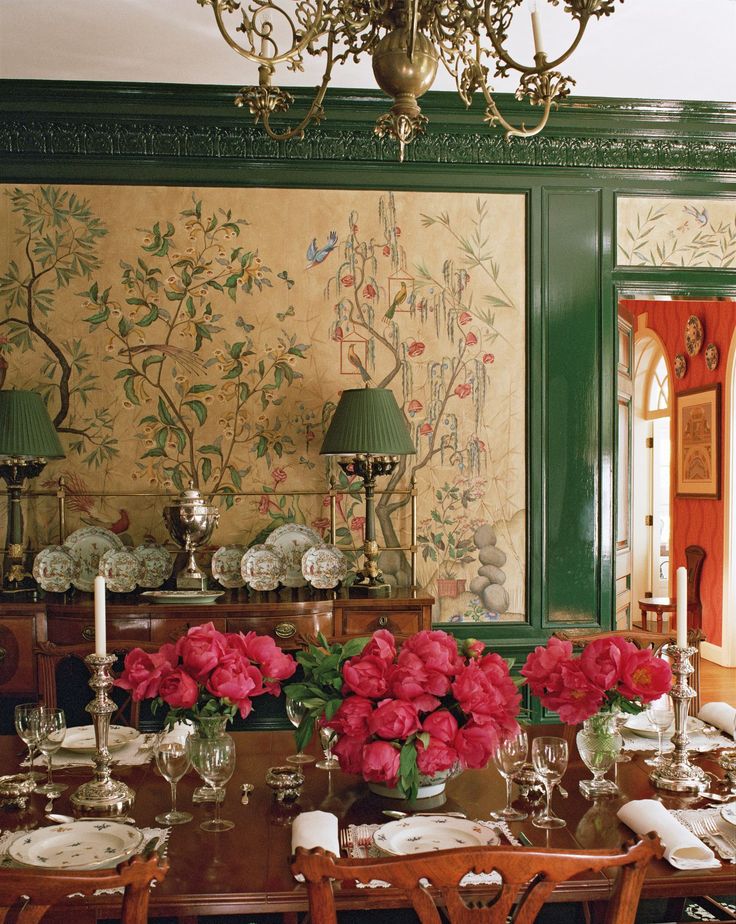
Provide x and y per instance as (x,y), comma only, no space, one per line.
(675,772)
(102,797)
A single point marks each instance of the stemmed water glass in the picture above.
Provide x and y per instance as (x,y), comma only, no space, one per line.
(549,756)
(53,731)
(28,726)
(508,758)
(660,715)
(296,712)
(172,760)
(327,739)
(214,761)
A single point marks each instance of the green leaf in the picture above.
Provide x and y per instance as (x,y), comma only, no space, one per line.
(149,318)
(164,414)
(199,409)
(200,388)
(206,468)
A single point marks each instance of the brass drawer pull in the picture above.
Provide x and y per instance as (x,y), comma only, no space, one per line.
(88,633)
(285,629)
(383,621)
(3,655)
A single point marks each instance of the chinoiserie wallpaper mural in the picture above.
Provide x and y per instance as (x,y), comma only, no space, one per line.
(185,334)
(676,231)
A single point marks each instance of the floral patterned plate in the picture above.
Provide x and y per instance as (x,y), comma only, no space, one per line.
(76,845)
(728,813)
(680,365)
(324,566)
(693,335)
(54,569)
(292,540)
(226,565)
(156,563)
(120,569)
(263,567)
(81,739)
(432,832)
(711,357)
(87,545)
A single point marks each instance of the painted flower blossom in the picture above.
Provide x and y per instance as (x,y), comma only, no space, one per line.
(463,390)
(416,348)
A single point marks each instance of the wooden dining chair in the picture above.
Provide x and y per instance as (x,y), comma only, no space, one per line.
(27,894)
(529,876)
(655,607)
(643,639)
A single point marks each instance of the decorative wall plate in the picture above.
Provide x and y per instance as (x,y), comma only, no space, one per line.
(711,356)
(680,366)
(186,597)
(76,845)
(292,540)
(156,563)
(324,566)
(432,832)
(120,569)
(226,565)
(693,335)
(87,545)
(263,568)
(55,569)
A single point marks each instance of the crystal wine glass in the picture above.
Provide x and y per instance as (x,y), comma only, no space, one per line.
(53,732)
(296,712)
(508,758)
(327,739)
(660,715)
(214,761)
(172,760)
(549,756)
(28,725)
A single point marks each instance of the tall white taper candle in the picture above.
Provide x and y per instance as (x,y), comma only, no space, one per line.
(537,30)
(681,595)
(100,625)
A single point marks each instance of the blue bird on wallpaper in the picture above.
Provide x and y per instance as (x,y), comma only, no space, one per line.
(317,255)
(701,216)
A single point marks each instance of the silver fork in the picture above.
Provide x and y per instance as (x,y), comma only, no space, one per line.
(707,829)
(345,840)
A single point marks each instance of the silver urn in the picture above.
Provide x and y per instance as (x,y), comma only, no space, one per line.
(190,522)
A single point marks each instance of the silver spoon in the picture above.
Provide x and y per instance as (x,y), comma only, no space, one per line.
(392,813)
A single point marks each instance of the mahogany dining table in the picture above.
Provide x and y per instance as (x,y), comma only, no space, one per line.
(246,870)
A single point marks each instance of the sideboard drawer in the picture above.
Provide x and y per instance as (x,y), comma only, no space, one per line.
(16,656)
(364,621)
(73,630)
(169,630)
(289,631)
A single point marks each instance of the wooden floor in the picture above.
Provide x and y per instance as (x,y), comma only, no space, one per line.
(717,684)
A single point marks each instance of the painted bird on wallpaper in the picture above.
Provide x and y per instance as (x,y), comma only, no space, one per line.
(316,254)
(700,215)
(186,358)
(87,507)
(398,299)
(355,362)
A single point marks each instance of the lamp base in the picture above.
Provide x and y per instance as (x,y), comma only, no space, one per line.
(366,589)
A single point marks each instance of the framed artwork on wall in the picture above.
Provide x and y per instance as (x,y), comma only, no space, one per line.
(699,442)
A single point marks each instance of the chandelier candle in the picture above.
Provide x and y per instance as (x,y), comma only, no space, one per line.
(537,30)
(100,626)
(681,607)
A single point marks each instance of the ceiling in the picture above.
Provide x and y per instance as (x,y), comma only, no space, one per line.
(649,49)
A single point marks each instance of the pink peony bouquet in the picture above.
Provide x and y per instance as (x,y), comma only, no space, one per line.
(609,674)
(427,708)
(207,673)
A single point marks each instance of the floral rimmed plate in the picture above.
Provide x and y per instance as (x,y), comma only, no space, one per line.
(76,845)
(120,569)
(693,335)
(263,568)
(87,545)
(81,738)
(432,832)
(324,566)
(55,570)
(680,366)
(292,540)
(187,597)
(226,566)
(711,357)
(156,563)
(639,725)
(728,813)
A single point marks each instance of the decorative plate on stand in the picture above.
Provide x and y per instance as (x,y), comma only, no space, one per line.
(120,569)
(263,567)
(324,566)
(87,545)
(55,569)
(292,540)
(226,566)
(156,563)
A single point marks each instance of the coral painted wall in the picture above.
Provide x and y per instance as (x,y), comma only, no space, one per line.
(697,521)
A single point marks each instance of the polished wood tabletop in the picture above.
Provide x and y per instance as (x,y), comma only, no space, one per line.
(246,869)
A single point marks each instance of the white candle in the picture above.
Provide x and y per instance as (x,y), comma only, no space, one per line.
(265,21)
(100,626)
(681,595)
(537,31)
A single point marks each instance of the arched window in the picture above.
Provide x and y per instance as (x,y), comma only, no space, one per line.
(658,399)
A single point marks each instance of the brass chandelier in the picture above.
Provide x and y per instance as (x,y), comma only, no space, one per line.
(406,40)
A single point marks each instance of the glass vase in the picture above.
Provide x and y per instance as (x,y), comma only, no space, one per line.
(209,727)
(599,744)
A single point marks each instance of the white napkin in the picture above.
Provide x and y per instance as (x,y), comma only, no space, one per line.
(681,848)
(315,829)
(721,715)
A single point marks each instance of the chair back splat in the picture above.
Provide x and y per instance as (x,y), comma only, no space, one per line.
(528,878)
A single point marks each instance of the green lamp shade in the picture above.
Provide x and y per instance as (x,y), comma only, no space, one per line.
(25,427)
(367,420)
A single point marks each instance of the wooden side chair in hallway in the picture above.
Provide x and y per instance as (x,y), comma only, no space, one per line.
(27,894)
(654,607)
(643,639)
(529,876)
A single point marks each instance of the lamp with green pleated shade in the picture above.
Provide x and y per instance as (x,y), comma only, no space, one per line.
(27,441)
(369,431)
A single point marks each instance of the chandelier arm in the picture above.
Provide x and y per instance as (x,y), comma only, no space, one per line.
(494,115)
(296,49)
(315,113)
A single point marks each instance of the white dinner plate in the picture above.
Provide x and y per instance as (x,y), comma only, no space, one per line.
(432,832)
(82,738)
(76,845)
(639,725)
(728,812)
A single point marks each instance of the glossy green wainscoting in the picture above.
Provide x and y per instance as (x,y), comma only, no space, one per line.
(592,151)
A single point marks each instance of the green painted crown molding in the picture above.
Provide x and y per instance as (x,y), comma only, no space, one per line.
(78,123)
